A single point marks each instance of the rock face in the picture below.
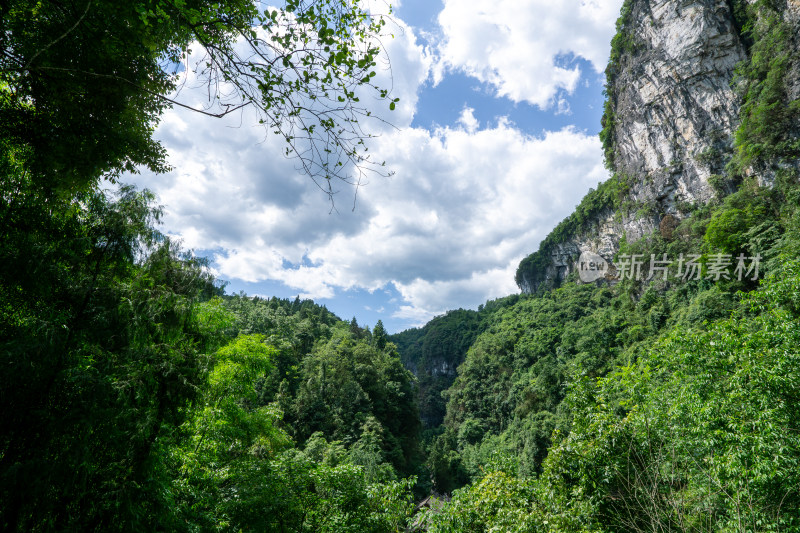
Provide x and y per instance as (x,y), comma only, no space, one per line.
(675,105)
(672,113)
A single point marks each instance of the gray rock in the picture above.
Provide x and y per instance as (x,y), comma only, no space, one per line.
(676,111)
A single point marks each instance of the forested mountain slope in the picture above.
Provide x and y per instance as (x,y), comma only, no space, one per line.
(137,397)
(434,352)
(653,399)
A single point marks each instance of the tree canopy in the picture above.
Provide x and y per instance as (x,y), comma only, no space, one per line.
(132,396)
(83,84)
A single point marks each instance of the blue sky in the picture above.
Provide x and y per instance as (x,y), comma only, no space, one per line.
(495,141)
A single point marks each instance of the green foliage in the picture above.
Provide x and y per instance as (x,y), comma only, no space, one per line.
(82,115)
(292,327)
(84,84)
(693,432)
(769,121)
(240,471)
(102,348)
(512,381)
(433,353)
(718,183)
(728,227)
(228,437)
(700,433)
(498,502)
(379,336)
(446,464)
(303,495)
(742,20)
(347,383)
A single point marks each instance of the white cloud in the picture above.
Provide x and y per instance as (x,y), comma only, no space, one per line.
(519,46)
(563,107)
(468,120)
(448,229)
(467,202)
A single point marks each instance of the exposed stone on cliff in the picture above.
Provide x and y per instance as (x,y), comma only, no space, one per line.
(674,104)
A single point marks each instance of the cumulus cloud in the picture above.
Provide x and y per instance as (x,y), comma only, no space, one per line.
(448,229)
(523,47)
(466,203)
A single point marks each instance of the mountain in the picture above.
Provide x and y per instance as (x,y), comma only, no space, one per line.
(695,92)
(434,352)
(630,400)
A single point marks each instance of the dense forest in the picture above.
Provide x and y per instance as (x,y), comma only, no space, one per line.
(662,404)
(137,395)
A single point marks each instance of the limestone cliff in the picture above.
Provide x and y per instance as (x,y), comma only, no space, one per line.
(675,95)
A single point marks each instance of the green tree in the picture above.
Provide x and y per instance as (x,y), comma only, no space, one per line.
(498,502)
(379,336)
(102,340)
(82,84)
(230,439)
(699,434)
(239,470)
(347,382)
(355,329)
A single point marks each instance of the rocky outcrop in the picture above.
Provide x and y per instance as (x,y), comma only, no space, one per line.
(675,107)
(671,115)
